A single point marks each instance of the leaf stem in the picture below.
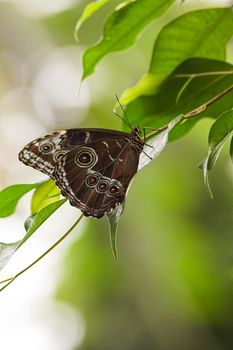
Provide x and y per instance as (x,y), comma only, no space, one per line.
(11,279)
(203,74)
(195,111)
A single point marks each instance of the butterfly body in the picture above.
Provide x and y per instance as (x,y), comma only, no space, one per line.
(92,167)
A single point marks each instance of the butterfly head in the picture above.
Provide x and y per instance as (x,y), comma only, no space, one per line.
(136,136)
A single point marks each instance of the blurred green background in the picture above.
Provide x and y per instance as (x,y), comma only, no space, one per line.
(172,286)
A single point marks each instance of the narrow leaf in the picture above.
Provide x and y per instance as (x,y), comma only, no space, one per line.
(45,194)
(35,221)
(89,10)
(202,33)
(10,196)
(121,29)
(231,149)
(219,133)
(113,219)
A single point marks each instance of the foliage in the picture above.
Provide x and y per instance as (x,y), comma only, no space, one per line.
(188,76)
(121,29)
(43,206)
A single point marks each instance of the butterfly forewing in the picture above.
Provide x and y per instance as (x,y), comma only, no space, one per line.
(44,152)
(99,185)
(92,167)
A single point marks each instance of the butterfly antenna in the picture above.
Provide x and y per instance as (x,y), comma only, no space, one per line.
(118,115)
(122,108)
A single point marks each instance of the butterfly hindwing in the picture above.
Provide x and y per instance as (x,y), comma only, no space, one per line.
(95,176)
(92,167)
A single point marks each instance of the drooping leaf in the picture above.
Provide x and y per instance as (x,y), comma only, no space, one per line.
(219,133)
(208,81)
(221,130)
(44,195)
(153,148)
(231,149)
(113,219)
(10,196)
(89,10)
(202,33)
(121,29)
(31,225)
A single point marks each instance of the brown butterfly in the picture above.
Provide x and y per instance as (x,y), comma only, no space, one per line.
(92,167)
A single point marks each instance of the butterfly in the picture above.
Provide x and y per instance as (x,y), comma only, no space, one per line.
(92,167)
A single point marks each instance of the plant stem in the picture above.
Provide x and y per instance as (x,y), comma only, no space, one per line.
(196,110)
(203,107)
(204,74)
(11,279)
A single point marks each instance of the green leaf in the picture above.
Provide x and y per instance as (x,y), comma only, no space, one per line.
(89,10)
(202,33)
(113,219)
(231,149)
(45,194)
(35,221)
(10,196)
(219,133)
(121,29)
(153,148)
(31,225)
(208,81)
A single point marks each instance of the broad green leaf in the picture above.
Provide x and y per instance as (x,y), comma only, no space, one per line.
(219,133)
(89,10)
(44,195)
(202,33)
(157,110)
(10,196)
(31,225)
(113,219)
(121,29)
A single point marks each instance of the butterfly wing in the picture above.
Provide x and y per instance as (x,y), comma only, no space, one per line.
(95,177)
(44,152)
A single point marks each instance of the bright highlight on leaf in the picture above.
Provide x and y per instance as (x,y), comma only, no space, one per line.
(156,145)
(220,132)
(44,195)
(10,196)
(89,10)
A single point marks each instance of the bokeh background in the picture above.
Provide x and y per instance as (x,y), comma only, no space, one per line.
(172,286)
